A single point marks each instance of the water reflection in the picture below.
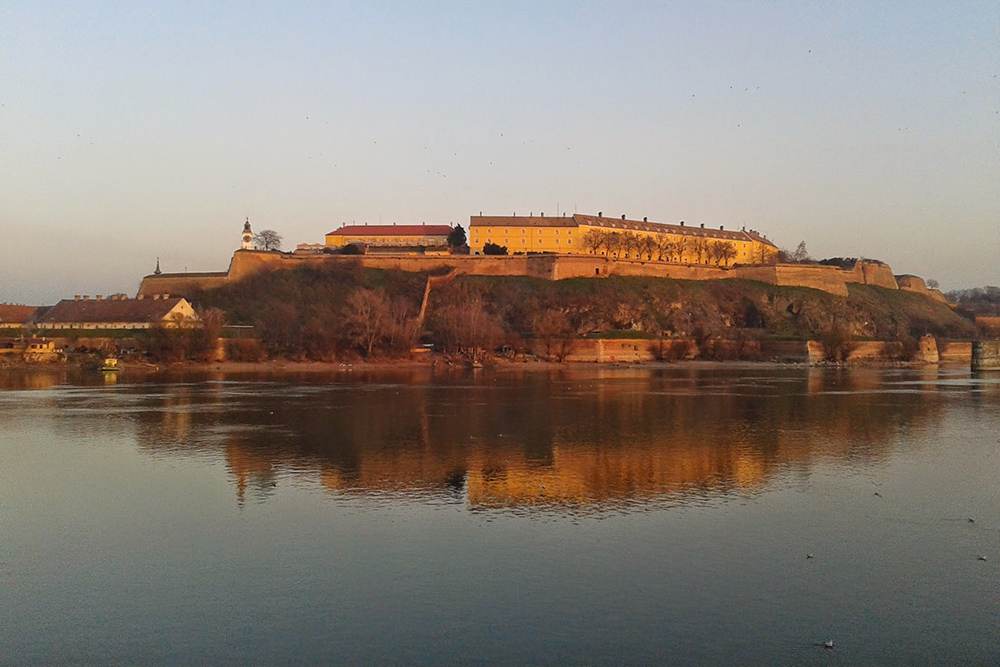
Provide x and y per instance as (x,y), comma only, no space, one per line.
(578,440)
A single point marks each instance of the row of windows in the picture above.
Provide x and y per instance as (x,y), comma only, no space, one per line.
(389,239)
(525,242)
(507,231)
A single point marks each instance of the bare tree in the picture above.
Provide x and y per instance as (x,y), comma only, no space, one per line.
(614,243)
(721,251)
(727,252)
(549,326)
(700,248)
(648,246)
(401,325)
(467,328)
(683,246)
(593,240)
(267,239)
(365,314)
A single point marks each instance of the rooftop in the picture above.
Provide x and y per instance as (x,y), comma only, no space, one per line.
(392,230)
(16,314)
(110,310)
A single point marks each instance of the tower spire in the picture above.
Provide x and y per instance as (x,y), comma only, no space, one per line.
(247,235)
(157,271)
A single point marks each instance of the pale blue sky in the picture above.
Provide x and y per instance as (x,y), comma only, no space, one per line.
(135,130)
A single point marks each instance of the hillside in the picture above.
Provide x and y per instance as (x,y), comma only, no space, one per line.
(344,310)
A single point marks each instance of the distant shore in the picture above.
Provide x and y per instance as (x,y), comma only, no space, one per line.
(280,366)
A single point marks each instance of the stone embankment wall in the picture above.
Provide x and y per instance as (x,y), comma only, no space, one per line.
(986,355)
(549,267)
(917,284)
(955,352)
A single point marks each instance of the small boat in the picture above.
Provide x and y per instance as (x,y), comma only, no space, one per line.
(110,365)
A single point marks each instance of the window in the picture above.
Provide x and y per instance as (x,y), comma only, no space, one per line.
(523,241)
(569,241)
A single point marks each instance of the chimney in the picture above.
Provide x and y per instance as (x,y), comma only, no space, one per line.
(703,225)
(76,297)
(721,227)
(141,296)
(86,297)
(166,296)
(600,214)
(645,219)
(99,297)
(156,297)
(682,223)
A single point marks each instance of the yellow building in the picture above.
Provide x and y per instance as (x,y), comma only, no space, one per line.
(389,235)
(620,238)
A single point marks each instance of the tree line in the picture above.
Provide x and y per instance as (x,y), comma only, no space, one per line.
(662,247)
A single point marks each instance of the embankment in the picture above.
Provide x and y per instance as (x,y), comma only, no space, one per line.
(246,263)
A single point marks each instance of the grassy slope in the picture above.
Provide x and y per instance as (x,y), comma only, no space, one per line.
(639,304)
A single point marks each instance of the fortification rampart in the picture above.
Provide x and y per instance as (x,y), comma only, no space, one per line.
(549,267)
(916,284)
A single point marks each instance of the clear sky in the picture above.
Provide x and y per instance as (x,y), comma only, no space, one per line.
(136,130)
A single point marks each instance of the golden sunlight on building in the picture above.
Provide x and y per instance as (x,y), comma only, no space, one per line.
(620,238)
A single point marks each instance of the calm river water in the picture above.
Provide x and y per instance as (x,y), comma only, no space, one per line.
(685,515)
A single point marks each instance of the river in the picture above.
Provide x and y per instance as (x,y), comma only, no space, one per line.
(676,515)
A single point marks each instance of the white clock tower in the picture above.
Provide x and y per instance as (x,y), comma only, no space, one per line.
(247,235)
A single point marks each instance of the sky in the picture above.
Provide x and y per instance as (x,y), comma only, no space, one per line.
(131,131)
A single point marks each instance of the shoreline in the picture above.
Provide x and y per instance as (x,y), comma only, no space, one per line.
(279,366)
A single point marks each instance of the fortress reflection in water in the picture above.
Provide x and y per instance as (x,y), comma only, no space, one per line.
(580,440)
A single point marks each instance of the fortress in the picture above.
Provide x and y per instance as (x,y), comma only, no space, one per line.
(563,247)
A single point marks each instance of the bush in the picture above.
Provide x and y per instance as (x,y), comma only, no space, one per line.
(837,344)
(245,349)
(494,249)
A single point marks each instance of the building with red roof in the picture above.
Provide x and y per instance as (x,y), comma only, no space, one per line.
(16,317)
(403,236)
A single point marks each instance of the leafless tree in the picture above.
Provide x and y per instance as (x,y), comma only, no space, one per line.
(614,243)
(550,326)
(467,328)
(727,252)
(593,240)
(365,315)
(648,246)
(700,249)
(267,239)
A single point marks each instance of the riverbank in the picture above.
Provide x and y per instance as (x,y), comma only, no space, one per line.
(280,366)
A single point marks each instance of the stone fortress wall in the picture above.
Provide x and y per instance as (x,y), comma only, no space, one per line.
(831,279)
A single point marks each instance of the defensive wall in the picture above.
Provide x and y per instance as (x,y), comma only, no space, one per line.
(614,350)
(917,284)
(549,267)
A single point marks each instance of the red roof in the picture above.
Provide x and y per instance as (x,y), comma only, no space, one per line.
(110,310)
(16,314)
(392,230)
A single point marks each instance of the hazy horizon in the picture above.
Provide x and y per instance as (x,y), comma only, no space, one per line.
(131,132)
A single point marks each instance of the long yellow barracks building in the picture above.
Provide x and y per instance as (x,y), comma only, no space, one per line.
(620,238)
